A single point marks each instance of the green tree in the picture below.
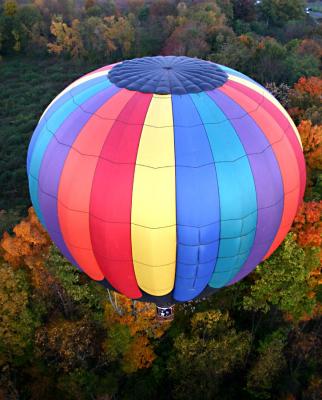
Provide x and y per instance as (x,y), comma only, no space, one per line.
(212,350)
(268,365)
(18,320)
(283,281)
(278,12)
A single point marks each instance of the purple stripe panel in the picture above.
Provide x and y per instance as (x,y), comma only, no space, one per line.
(53,163)
(267,178)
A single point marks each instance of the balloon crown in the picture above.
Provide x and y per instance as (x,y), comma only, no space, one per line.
(168,75)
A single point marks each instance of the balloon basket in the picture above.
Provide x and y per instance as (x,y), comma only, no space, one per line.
(165,314)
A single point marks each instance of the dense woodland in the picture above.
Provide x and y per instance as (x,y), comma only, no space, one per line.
(60,335)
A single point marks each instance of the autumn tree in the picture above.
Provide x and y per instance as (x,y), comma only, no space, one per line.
(134,325)
(306,100)
(71,344)
(68,39)
(201,357)
(130,326)
(10,7)
(121,33)
(195,30)
(28,244)
(308,229)
(18,320)
(308,224)
(311,136)
(310,46)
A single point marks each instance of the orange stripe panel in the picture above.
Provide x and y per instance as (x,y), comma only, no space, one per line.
(76,183)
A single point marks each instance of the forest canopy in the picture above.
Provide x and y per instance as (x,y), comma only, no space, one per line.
(60,335)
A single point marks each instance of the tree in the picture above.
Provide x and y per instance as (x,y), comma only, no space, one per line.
(121,32)
(195,30)
(17,318)
(283,281)
(69,344)
(311,137)
(10,7)
(130,330)
(280,92)
(311,86)
(67,39)
(306,100)
(29,243)
(308,225)
(265,59)
(278,12)
(268,365)
(74,289)
(244,10)
(201,358)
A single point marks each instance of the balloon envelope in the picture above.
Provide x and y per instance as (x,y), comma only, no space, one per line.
(166,177)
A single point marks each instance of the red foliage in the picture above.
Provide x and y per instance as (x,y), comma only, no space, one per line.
(308,225)
(311,86)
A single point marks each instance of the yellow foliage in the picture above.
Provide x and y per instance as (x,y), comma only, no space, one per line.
(10,7)
(140,355)
(140,319)
(138,316)
(68,39)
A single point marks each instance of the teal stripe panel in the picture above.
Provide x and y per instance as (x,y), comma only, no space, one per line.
(55,106)
(237,194)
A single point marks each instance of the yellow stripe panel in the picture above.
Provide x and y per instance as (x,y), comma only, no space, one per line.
(153,229)
(269,97)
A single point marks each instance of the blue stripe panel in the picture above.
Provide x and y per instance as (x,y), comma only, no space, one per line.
(237,192)
(46,134)
(197,201)
(55,106)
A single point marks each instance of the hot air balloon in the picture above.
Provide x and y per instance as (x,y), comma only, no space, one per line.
(166,178)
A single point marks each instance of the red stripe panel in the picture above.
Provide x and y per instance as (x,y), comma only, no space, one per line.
(76,182)
(282,149)
(111,197)
(288,128)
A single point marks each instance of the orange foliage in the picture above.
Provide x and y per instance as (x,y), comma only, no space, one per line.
(311,86)
(140,319)
(308,229)
(311,137)
(308,225)
(246,40)
(140,355)
(138,316)
(28,246)
(29,243)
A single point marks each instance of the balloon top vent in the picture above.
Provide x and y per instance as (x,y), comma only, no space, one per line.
(168,75)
